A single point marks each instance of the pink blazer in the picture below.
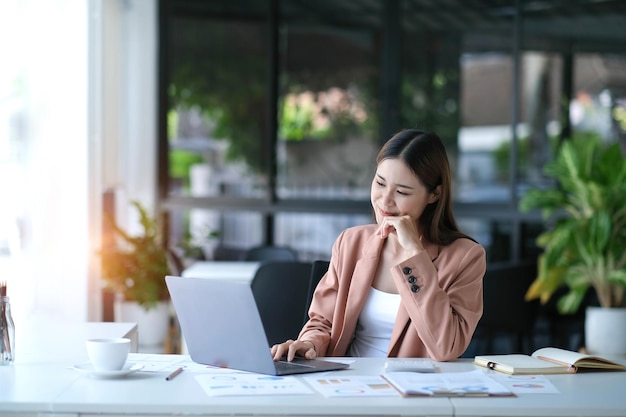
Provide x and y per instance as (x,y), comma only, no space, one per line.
(440,288)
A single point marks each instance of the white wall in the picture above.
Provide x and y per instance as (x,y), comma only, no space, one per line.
(79,77)
(43,48)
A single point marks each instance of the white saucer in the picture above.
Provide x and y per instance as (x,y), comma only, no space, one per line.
(87,368)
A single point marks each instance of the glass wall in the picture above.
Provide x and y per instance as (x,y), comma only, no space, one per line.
(272,112)
(218,95)
(328,110)
(217,133)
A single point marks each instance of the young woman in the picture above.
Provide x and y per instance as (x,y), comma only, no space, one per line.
(409,285)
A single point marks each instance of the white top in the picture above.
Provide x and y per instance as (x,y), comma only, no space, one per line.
(373,330)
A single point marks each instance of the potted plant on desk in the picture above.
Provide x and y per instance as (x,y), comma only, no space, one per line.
(134,268)
(584,241)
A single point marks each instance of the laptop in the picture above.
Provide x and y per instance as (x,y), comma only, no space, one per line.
(222,327)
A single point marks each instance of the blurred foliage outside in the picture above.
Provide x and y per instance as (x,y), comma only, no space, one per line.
(431,102)
(332,114)
(502,153)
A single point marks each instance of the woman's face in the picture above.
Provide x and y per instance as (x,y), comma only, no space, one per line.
(397,191)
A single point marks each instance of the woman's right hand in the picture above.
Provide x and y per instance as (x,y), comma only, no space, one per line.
(291,348)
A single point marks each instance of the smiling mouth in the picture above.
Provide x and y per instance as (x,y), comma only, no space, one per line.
(387,214)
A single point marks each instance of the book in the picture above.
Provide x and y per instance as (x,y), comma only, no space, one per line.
(446,384)
(548,360)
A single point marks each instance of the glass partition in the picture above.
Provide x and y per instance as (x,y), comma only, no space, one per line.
(276,109)
(218,106)
(328,115)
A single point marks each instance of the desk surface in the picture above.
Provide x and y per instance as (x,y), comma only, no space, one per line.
(45,352)
(53,387)
(151,394)
(44,384)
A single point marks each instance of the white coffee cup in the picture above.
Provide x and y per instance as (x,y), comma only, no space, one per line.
(108,354)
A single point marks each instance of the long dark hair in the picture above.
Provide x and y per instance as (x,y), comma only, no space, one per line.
(425,154)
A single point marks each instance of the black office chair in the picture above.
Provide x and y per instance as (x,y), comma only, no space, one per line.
(281,290)
(507,317)
(270,253)
(318,269)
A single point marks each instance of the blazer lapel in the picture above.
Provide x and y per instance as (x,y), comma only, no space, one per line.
(360,286)
(362,278)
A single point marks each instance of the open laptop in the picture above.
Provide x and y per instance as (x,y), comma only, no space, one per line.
(222,327)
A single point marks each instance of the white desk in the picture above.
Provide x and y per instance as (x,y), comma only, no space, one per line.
(235,270)
(51,389)
(151,395)
(45,351)
(582,394)
(43,384)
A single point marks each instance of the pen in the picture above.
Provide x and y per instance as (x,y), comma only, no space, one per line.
(173,374)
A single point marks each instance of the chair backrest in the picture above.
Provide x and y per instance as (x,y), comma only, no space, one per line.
(318,269)
(226,253)
(270,253)
(281,290)
(505,310)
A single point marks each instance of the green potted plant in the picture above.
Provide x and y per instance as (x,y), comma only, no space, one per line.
(134,268)
(584,242)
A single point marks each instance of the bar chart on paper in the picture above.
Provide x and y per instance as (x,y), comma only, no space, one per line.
(352,386)
(235,383)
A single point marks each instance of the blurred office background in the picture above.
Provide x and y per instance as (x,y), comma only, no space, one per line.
(257,121)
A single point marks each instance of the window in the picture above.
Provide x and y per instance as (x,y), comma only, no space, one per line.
(275,111)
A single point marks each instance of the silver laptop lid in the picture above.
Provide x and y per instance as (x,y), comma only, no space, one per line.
(221,324)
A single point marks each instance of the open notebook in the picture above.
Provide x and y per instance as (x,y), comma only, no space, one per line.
(548,360)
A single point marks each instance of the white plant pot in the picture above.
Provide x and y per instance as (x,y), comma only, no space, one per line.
(208,249)
(605,331)
(152,324)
